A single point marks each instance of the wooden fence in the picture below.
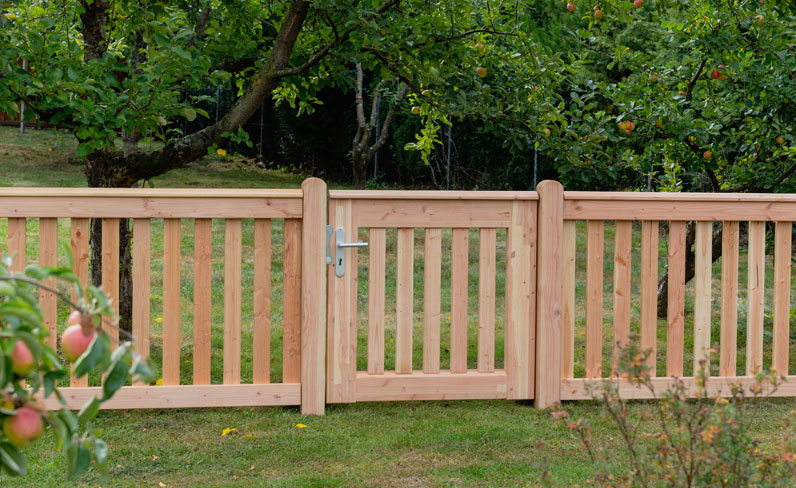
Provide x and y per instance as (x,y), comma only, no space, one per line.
(362,330)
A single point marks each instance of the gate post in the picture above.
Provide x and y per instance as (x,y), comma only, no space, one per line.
(313,297)
(548,296)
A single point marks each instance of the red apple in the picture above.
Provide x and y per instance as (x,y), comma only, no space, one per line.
(715,74)
(570,7)
(22,361)
(74,342)
(638,3)
(24,427)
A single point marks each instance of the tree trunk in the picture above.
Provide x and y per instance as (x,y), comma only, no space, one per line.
(690,264)
(360,166)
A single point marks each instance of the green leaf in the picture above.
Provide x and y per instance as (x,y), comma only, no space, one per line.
(89,410)
(7,289)
(100,451)
(188,113)
(140,371)
(13,461)
(93,357)
(115,379)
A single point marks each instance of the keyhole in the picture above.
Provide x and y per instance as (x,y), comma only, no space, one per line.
(340,262)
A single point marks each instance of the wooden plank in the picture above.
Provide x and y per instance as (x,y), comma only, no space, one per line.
(17,245)
(578,388)
(550,283)
(594,298)
(459,318)
(202,299)
(703,250)
(487,263)
(184,396)
(141,287)
(568,249)
(677,207)
(623,243)
(520,343)
(404,293)
(233,252)
(341,355)
(676,306)
(79,235)
(131,194)
(261,357)
(198,205)
(48,256)
(171,302)
(755,297)
(376,276)
(110,272)
(313,297)
(433,213)
(432,286)
(291,336)
(649,291)
(470,385)
(455,195)
(782,264)
(729,299)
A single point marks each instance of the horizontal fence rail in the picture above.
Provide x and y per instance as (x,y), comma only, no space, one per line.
(458,295)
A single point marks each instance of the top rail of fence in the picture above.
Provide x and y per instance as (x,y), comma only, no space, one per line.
(581,205)
(150,203)
(431,195)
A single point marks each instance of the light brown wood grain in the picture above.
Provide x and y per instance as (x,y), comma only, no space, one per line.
(486,300)
(17,243)
(432,213)
(755,296)
(568,311)
(623,243)
(79,233)
(261,340)
(432,285)
(459,281)
(782,265)
(676,307)
(404,289)
(232,300)
(703,250)
(110,272)
(594,298)
(376,277)
(649,292)
(729,299)
(202,299)
(291,338)
(141,287)
(171,301)
(469,385)
(48,256)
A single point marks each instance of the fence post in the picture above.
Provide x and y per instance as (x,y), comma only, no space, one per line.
(313,297)
(548,295)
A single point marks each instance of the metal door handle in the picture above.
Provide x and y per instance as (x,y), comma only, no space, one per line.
(340,247)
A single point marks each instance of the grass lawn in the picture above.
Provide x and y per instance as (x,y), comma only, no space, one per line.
(481,443)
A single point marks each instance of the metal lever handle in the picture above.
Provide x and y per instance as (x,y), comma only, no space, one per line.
(352,244)
(340,247)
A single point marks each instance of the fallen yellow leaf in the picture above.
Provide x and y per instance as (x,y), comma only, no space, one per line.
(301,426)
(159,382)
(161,484)
(228,431)
(221,152)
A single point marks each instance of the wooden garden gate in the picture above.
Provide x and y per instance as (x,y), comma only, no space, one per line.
(355,369)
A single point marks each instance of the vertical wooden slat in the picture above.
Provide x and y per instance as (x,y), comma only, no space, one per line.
(755,297)
(550,283)
(568,299)
(291,339)
(649,291)
(232,300)
(202,299)
(729,299)
(432,284)
(520,342)
(313,297)
(676,306)
(48,249)
(486,300)
(261,359)
(341,340)
(110,271)
(17,229)
(459,265)
(594,298)
(622,260)
(376,277)
(404,288)
(703,248)
(171,301)
(79,246)
(141,285)
(782,264)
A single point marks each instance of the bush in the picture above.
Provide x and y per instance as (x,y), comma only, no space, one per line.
(30,369)
(698,440)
